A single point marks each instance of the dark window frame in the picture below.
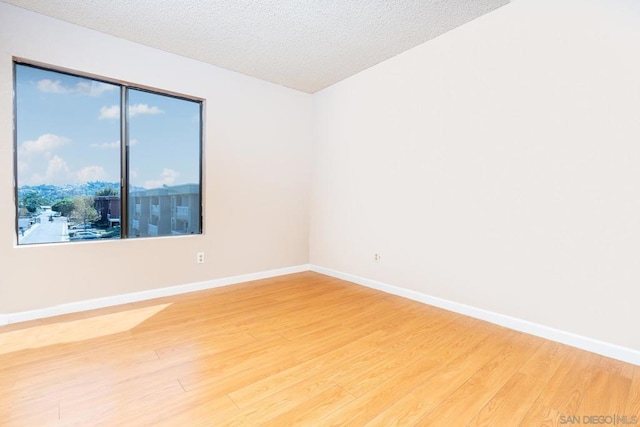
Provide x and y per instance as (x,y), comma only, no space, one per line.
(124,87)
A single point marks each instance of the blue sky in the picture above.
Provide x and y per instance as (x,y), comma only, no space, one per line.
(68,132)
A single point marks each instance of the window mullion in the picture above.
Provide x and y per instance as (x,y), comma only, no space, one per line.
(124,164)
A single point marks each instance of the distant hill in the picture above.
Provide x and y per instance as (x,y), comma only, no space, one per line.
(54,193)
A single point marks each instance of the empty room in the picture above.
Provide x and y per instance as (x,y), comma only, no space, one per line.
(319,213)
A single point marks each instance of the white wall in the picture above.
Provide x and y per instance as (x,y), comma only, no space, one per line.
(496,166)
(257,169)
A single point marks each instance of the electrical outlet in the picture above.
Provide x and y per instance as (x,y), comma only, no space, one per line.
(377,257)
(200,258)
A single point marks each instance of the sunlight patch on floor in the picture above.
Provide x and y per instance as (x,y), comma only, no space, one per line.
(77,330)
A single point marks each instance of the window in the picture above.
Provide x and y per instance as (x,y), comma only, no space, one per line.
(102,160)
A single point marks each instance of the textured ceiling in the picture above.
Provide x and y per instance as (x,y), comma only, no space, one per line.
(303,44)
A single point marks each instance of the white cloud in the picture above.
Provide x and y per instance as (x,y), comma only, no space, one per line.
(86,87)
(23,166)
(112,145)
(56,166)
(91,173)
(37,179)
(51,86)
(57,173)
(167,177)
(112,112)
(45,143)
(136,109)
(94,89)
(106,145)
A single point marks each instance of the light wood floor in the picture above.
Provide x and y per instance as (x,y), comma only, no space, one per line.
(302,349)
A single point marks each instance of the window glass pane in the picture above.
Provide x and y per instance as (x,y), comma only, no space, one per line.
(164,165)
(67,157)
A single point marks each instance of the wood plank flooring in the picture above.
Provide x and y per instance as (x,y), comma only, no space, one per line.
(303,349)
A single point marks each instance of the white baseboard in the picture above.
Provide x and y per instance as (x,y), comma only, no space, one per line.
(585,343)
(596,346)
(91,304)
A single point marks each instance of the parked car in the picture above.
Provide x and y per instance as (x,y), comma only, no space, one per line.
(85,235)
(80,227)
